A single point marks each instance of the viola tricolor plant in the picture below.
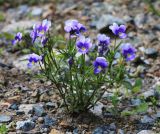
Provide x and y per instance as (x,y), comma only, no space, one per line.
(80,69)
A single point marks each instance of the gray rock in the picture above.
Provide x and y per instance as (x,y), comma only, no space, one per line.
(5,118)
(106,129)
(27,108)
(19,25)
(36,11)
(50,105)
(107,19)
(140,20)
(97,109)
(146,132)
(23,9)
(38,110)
(14,106)
(48,121)
(146,119)
(148,93)
(21,63)
(151,52)
(26,125)
(136,102)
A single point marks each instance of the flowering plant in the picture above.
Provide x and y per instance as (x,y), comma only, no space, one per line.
(80,69)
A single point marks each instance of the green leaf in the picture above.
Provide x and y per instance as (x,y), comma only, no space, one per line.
(3,129)
(127,113)
(137,86)
(142,108)
(127,84)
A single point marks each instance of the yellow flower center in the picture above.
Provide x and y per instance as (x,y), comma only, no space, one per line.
(42,32)
(99,67)
(83,48)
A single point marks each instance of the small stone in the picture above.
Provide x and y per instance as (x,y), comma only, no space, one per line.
(97,109)
(151,52)
(5,118)
(120,131)
(146,119)
(27,108)
(135,102)
(106,129)
(14,106)
(54,131)
(148,94)
(20,112)
(140,20)
(36,12)
(146,132)
(50,105)
(48,121)
(38,110)
(40,119)
(14,99)
(25,125)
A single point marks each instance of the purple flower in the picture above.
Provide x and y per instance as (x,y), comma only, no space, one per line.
(44,40)
(17,38)
(33,58)
(70,61)
(119,30)
(99,64)
(74,27)
(40,30)
(83,45)
(128,51)
(103,39)
(103,42)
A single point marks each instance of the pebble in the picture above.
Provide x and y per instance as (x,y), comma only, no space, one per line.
(106,129)
(38,110)
(147,120)
(97,109)
(26,125)
(50,105)
(48,121)
(36,11)
(27,108)
(140,20)
(14,106)
(151,52)
(148,94)
(135,102)
(5,118)
(40,119)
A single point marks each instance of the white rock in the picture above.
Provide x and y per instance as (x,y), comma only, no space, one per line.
(146,132)
(27,108)
(21,63)
(97,109)
(19,25)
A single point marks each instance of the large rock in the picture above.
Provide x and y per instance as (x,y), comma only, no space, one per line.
(107,19)
(19,25)
(5,118)
(22,63)
(146,132)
